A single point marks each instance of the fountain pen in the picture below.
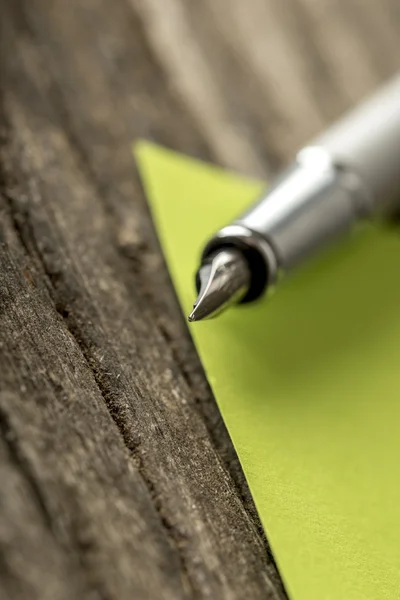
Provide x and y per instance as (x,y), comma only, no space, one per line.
(348,174)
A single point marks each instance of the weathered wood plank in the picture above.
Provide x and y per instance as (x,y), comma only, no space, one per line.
(117,476)
(81,339)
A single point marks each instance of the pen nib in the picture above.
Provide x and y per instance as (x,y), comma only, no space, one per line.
(223,279)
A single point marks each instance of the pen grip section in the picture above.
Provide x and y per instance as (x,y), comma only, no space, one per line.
(311,205)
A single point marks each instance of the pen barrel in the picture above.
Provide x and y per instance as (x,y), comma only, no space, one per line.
(367,141)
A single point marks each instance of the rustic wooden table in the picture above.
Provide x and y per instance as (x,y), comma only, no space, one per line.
(117,476)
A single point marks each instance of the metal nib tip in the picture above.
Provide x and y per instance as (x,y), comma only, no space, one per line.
(224,278)
(192,316)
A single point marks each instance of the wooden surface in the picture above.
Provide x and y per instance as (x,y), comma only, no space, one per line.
(117,476)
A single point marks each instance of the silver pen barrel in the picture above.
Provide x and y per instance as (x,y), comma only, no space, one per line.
(350,173)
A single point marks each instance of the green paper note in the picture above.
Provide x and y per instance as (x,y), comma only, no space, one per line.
(308,384)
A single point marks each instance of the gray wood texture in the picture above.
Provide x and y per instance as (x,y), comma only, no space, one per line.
(118,479)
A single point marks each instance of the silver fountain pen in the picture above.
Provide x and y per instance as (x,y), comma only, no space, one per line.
(350,173)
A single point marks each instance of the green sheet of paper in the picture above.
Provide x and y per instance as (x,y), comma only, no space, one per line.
(308,384)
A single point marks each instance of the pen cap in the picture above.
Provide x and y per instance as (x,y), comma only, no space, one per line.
(367,141)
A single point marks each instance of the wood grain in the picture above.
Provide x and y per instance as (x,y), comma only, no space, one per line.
(117,475)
